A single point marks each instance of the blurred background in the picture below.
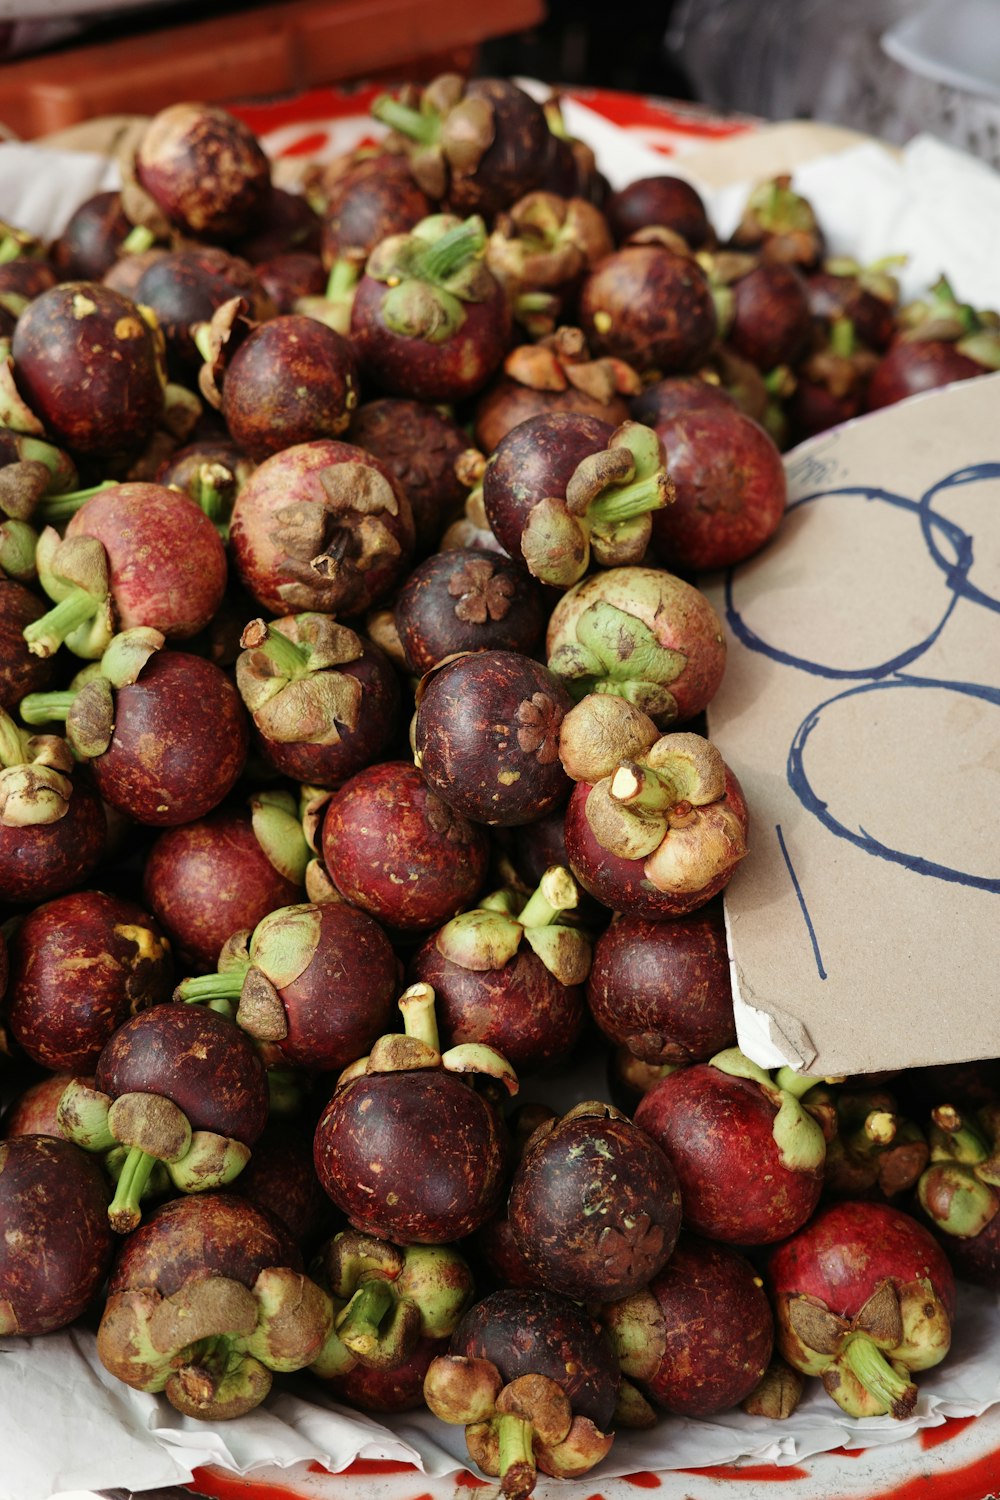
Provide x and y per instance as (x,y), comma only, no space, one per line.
(888,67)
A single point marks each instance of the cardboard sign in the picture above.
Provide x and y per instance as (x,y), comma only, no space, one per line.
(861,711)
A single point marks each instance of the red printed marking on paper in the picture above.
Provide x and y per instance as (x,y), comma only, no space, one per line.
(976,1481)
(221,1486)
(933,1437)
(780,1472)
(465,1480)
(848,1452)
(379,1466)
(644,1480)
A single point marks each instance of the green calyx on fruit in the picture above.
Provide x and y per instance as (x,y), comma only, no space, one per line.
(613,651)
(489,936)
(87,708)
(419,1046)
(74,573)
(254,969)
(960,1189)
(799,1137)
(606,511)
(286,677)
(278,830)
(448,132)
(34,776)
(430,273)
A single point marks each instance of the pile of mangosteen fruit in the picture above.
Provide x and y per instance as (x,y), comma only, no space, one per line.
(352,666)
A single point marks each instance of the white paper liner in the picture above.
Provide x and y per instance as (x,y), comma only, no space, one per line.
(943,208)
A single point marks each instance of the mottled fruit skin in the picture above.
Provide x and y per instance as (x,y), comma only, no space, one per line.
(57,1244)
(392,847)
(842,1255)
(202,1235)
(534,462)
(208,879)
(451,370)
(283,520)
(730,490)
(462,600)
(667,201)
(662,989)
(179,742)
(621,884)
(717,1132)
(521,1009)
(205,169)
(291,275)
(923,365)
(594,1207)
(513,163)
(21,672)
(505,404)
(280,1178)
(487,737)
(771,322)
(414,1157)
(539,1333)
(372,200)
(379,717)
(719,1329)
(667,398)
(81,966)
(44,860)
(167,563)
(418,444)
(34,1111)
(649,307)
(396,1390)
(185,287)
(293,379)
(198,1059)
(86,364)
(343,999)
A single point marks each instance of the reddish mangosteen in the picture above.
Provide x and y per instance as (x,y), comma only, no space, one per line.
(664,200)
(509,973)
(729,485)
(555,374)
(940,340)
(780,225)
(396,1390)
(748,1155)
(281,1179)
(317,981)
(210,878)
(35,1110)
(287,224)
(288,277)
(699,1338)
(594,1207)
(22,280)
(428,319)
(80,967)
(464,600)
(91,239)
(536,1385)
(478,144)
(651,306)
(205,170)
(629,1078)
(831,382)
(374,198)
(863,1297)
(289,380)
(86,362)
(664,399)
(866,296)
(960,1190)
(185,287)
(133,554)
(562,488)
(164,731)
(657,823)
(662,989)
(325,702)
(763,311)
(388,1299)
(419,445)
(540,250)
(322,526)
(486,736)
(911,366)
(176,1085)
(52,826)
(405,1147)
(21,671)
(641,634)
(392,847)
(205,1300)
(56,1246)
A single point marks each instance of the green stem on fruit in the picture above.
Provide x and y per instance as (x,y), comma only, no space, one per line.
(419,1020)
(124,1211)
(212,491)
(407,121)
(799,1084)
(54,509)
(204,987)
(641,790)
(138,240)
(46,708)
(289,658)
(877,1132)
(343,281)
(875,1373)
(556,893)
(842,337)
(45,636)
(626,501)
(453,250)
(10,249)
(363,1316)
(517,1459)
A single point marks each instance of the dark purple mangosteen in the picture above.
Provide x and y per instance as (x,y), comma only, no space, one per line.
(205,170)
(668,201)
(650,306)
(466,600)
(419,445)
